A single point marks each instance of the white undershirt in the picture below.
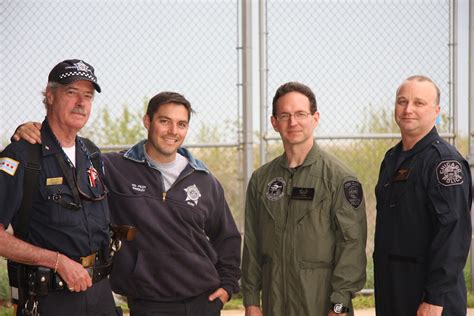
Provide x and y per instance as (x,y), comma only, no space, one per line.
(170,171)
(71,153)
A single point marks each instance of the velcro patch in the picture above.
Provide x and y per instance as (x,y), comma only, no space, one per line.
(8,165)
(449,172)
(353,193)
(275,189)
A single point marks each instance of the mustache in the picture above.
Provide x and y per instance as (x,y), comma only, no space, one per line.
(79,110)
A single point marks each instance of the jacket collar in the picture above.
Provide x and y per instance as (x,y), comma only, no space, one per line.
(420,145)
(313,156)
(137,154)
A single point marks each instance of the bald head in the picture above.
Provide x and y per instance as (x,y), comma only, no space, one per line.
(420,78)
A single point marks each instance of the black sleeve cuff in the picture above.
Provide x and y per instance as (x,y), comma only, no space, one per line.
(434,299)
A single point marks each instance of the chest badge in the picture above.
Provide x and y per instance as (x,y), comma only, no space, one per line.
(193,195)
(449,173)
(275,189)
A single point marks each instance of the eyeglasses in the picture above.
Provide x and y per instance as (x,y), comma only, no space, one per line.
(299,116)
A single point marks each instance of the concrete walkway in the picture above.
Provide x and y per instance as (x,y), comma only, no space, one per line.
(358,312)
(362,312)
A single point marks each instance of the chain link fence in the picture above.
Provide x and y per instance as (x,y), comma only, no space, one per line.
(138,48)
(353,53)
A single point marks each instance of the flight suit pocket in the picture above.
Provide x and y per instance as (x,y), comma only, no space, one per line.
(314,239)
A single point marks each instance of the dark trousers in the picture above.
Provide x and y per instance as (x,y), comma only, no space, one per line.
(96,301)
(194,306)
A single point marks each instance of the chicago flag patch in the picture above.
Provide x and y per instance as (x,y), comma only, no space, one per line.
(8,165)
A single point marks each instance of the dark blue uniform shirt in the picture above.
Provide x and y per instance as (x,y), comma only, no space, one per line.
(72,231)
(423,228)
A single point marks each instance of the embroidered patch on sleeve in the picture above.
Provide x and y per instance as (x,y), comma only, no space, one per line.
(449,172)
(353,193)
(8,165)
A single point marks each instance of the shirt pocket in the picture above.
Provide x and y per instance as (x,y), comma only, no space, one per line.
(57,205)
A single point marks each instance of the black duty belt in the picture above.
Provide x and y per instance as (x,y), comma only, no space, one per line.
(46,280)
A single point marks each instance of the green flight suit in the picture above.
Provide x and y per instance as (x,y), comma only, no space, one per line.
(305,236)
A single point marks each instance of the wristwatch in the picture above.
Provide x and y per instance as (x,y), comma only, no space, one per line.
(339,308)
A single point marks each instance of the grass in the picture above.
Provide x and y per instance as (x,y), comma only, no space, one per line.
(359,302)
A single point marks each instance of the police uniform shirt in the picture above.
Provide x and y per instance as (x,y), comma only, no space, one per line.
(74,231)
(423,227)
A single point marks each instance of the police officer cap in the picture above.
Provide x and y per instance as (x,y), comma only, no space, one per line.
(71,70)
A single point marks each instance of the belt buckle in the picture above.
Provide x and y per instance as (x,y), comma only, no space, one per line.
(88,261)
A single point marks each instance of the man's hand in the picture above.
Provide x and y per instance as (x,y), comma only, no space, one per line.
(74,274)
(253,310)
(426,309)
(29,131)
(331,313)
(221,294)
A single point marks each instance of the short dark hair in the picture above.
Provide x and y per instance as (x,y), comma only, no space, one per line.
(167,97)
(294,86)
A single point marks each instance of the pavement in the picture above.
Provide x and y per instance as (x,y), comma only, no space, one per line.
(358,312)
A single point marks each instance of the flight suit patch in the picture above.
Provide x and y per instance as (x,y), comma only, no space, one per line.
(275,189)
(353,193)
(302,194)
(449,172)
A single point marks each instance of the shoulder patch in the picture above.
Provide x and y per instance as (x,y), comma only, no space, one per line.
(353,193)
(275,189)
(449,172)
(8,165)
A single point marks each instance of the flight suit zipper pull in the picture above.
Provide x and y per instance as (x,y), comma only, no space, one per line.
(164,196)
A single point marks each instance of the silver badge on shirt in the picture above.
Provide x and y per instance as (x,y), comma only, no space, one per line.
(193,195)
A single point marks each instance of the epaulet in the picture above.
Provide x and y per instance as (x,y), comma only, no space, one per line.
(444,149)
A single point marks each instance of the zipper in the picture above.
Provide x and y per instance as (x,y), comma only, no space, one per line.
(165,193)
(284,241)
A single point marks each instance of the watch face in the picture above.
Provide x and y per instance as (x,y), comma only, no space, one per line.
(338,308)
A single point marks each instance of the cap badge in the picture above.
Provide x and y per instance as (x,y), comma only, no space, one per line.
(80,66)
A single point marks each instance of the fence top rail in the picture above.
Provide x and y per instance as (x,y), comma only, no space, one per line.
(360,136)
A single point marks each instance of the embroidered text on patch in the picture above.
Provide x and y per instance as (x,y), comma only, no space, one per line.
(275,188)
(193,195)
(8,165)
(139,187)
(449,173)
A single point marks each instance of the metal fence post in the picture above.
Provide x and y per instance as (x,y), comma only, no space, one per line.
(470,156)
(247,91)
